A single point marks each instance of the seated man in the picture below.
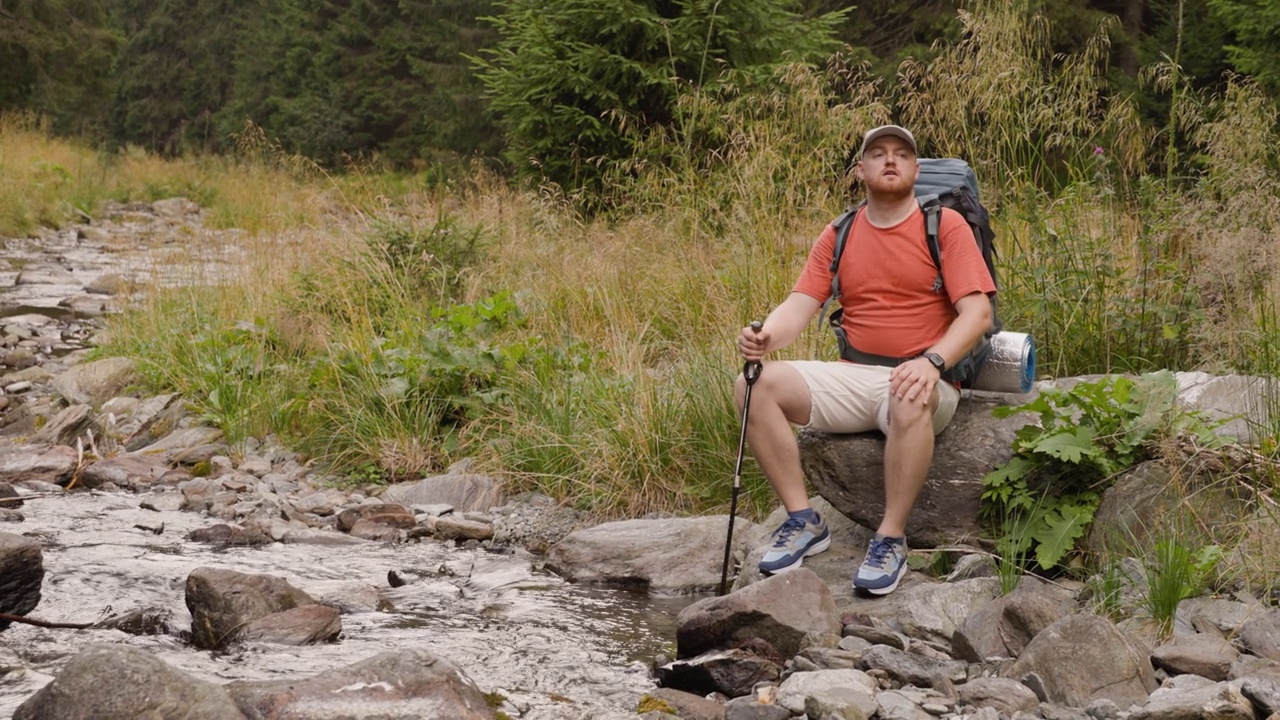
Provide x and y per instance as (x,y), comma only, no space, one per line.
(894,308)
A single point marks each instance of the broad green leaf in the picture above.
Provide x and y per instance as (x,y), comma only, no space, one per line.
(1069,447)
(1057,535)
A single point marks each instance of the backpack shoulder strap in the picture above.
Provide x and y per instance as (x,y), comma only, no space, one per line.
(932,210)
(844,225)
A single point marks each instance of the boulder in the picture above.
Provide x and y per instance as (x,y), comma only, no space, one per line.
(1082,658)
(732,673)
(21,574)
(779,611)
(401,684)
(1190,697)
(1260,634)
(464,491)
(306,625)
(104,682)
(37,463)
(224,602)
(1208,656)
(848,471)
(677,555)
(95,382)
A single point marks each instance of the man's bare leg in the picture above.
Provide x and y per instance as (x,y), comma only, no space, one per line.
(908,452)
(779,398)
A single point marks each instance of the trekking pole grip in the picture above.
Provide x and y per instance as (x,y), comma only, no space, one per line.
(751,371)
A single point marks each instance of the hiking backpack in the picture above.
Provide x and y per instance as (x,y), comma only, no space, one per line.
(943,182)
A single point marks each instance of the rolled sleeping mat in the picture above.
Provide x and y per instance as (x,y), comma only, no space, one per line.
(1011,366)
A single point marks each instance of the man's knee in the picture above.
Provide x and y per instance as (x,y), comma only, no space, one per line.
(905,413)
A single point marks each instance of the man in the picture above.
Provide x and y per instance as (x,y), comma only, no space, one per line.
(894,308)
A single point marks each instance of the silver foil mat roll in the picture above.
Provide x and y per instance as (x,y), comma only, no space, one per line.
(1011,366)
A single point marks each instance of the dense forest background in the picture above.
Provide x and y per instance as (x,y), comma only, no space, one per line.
(431,83)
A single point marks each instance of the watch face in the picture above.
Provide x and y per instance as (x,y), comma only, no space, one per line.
(936,360)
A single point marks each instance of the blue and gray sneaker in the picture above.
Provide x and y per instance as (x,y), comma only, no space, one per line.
(794,540)
(884,566)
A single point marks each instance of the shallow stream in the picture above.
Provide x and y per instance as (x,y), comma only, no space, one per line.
(555,650)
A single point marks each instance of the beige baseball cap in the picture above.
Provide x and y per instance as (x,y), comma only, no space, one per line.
(887,131)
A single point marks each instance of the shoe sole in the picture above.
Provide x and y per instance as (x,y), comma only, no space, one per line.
(880,591)
(817,547)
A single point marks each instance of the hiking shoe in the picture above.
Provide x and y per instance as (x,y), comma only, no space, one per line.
(792,541)
(884,566)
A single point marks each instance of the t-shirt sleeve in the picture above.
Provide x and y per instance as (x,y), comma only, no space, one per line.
(964,272)
(815,279)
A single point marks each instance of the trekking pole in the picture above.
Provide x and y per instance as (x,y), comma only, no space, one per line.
(750,373)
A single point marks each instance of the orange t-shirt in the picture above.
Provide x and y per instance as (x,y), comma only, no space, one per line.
(887,281)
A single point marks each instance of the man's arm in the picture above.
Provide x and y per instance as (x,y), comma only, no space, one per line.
(914,380)
(973,319)
(781,328)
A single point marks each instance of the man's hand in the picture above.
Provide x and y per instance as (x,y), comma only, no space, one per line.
(913,380)
(753,343)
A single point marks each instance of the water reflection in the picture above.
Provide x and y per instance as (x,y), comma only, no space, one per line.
(556,650)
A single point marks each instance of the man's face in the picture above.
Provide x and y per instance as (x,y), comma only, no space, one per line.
(889,167)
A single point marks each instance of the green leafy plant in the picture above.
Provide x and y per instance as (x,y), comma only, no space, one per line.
(1045,497)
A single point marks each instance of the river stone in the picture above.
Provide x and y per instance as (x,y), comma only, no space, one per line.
(45,274)
(175,208)
(95,382)
(795,690)
(1146,504)
(306,625)
(223,602)
(1004,626)
(186,445)
(1004,694)
(848,470)
(667,555)
(909,668)
(9,498)
(21,574)
(893,705)
(780,610)
(1231,399)
(732,673)
(132,471)
(1260,634)
(37,463)
(66,427)
(687,705)
(402,684)
(933,611)
(1190,697)
(109,284)
(392,515)
(1208,656)
(104,682)
(464,491)
(455,528)
(1081,658)
(841,703)
(1264,694)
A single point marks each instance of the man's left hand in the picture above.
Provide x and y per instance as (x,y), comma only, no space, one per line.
(913,380)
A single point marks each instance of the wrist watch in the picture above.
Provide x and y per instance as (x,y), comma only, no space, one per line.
(935,359)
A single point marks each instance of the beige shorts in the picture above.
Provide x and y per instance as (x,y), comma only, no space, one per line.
(847,397)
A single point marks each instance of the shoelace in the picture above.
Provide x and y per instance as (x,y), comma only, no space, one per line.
(789,528)
(878,553)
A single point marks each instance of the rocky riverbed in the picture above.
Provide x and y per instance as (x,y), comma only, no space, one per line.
(236,582)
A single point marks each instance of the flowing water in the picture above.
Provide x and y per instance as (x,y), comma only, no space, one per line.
(555,650)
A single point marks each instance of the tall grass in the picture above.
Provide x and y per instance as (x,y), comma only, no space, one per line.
(398,323)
